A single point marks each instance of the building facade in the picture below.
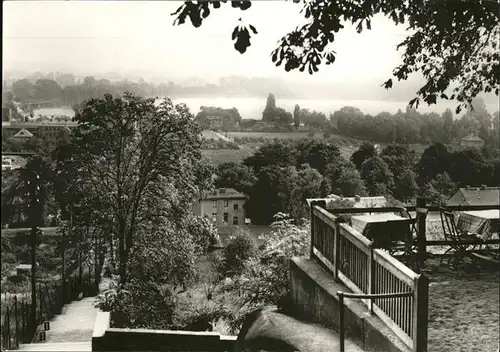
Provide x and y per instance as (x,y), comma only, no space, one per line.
(471,141)
(223,206)
(38,129)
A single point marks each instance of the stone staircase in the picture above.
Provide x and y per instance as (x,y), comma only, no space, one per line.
(71,330)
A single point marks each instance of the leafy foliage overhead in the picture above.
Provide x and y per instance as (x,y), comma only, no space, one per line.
(451,42)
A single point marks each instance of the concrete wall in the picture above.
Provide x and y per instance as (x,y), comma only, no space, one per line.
(111,339)
(314,297)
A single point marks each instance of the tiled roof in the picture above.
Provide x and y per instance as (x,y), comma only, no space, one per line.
(472,138)
(481,196)
(225,193)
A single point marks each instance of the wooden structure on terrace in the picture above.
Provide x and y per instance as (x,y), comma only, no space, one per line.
(389,289)
(353,260)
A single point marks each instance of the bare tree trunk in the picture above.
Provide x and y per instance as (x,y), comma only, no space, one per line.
(122,252)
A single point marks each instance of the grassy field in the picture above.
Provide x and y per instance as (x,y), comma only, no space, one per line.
(253,140)
(273,135)
(219,156)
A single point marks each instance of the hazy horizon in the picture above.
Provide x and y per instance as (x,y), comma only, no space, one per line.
(139,38)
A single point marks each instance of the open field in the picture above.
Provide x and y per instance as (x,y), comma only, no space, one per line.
(273,135)
(250,142)
(219,156)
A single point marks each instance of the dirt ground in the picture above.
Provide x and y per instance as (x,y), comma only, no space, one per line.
(463,307)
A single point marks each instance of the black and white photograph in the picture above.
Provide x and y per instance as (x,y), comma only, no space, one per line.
(250,176)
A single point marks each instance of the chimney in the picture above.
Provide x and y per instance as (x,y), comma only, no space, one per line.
(483,187)
(222,190)
(357,198)
(467,187)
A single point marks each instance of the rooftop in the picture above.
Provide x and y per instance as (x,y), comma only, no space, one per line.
(481,195)
(472,138)
(225,193)
(39,124)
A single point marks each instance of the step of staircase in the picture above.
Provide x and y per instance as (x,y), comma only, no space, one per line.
(57,346)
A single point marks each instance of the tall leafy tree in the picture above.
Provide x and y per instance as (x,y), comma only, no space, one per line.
(444,184)
(435,160)
(405,187)
(399,158)
(276,184)
(364,152)
(237,176)
(318,154)
(269,113)
(349,183)
(146,158)
(448,41)
(277,152)
(378,177)
(296,116)
(468,168)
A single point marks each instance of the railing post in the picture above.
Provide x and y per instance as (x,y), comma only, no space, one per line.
(341,321)
(23,332)
(422,240)
(17,323)
(313,228)
(420,313)
(7,315)
(336,255)
(371,277)
(41,302)
(322,204)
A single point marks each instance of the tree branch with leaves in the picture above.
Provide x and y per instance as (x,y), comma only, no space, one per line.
(452,43)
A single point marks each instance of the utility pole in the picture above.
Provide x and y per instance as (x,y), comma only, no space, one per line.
(35,202)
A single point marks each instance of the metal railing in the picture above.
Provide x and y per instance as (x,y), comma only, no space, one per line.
(16,324)
(366,270)
(343,295)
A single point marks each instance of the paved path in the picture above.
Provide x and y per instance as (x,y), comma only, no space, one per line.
(72,329)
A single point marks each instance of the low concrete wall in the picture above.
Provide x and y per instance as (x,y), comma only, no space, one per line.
(314,296)
(113,339)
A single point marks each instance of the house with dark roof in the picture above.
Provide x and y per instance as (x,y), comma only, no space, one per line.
(224,206)
(471,141)
(475,196)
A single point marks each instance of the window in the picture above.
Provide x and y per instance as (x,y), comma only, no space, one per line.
(226,203)
(235,220)
(226,217)
(214,203)
(235,206)
(214,217)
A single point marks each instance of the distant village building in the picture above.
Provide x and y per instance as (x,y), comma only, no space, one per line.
(224,206)
(23,130)
(215,118)
(6,163)
(472,141)
(215,122)
(23,135)
(475,196)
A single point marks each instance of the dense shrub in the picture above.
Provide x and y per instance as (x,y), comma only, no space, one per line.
(139,304)
(241,248)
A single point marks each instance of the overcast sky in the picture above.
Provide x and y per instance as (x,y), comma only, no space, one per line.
(90,37)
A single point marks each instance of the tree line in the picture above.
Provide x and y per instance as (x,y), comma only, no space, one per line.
(282,174)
